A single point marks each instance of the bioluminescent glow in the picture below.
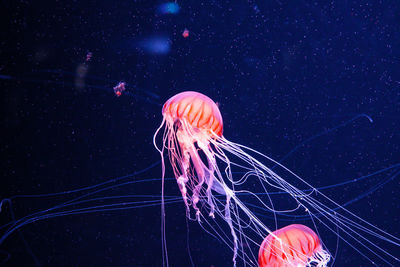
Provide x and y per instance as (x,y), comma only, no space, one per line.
(168,8)
(155,45)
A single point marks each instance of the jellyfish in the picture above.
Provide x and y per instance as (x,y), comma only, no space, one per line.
(293,245)
(222,180)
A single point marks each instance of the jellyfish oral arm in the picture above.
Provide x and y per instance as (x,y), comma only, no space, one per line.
(203,175)
(189,152)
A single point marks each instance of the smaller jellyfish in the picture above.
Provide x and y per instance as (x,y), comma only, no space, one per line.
(89,56)
(119,88)
(185,33)
(293,245)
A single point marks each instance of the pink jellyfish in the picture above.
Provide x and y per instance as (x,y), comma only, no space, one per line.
(198,120)
(293,245)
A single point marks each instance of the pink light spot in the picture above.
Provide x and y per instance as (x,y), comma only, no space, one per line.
(185,33)
(119,88)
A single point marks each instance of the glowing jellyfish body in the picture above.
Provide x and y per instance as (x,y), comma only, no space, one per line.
(202,160)
(198,120)
(293,245)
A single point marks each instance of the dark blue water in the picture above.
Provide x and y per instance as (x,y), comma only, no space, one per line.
(284,76)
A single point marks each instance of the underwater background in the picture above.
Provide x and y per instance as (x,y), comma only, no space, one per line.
(312,84)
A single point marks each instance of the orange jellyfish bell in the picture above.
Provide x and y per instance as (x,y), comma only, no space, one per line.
(293,245)
(196,109)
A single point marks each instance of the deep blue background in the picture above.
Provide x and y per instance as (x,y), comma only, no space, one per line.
(281,73)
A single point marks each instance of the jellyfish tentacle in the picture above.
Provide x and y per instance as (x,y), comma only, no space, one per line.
(199,168)
(183,178)
(228,219)
(181,181)
(220,186)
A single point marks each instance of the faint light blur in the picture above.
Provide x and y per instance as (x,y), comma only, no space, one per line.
(156,45)
(81,72)
(43,53)
(168,8)
(185,33)
(5,77)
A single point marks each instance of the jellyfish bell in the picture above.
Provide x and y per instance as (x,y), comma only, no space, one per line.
(293,245)
(200,111)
